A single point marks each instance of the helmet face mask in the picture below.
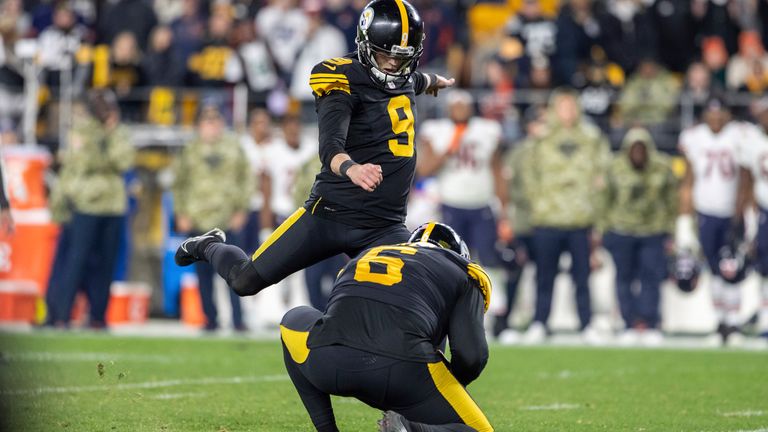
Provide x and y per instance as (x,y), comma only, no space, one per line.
(390,28)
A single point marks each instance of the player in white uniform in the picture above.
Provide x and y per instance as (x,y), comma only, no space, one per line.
(753,159)
(710,189)
(463,153)
(254,143)
(284,157)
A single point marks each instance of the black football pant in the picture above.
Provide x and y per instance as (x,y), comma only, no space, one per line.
(638,258)
(426,394)
(302,240)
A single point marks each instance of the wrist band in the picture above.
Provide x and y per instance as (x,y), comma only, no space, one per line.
(432,80)
(345,166)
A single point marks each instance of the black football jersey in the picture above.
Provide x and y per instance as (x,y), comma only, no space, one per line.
(397,301)
(381,131)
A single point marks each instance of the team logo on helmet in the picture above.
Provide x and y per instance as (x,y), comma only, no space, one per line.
(366,18)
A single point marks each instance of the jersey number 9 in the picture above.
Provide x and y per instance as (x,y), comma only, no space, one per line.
(401,115)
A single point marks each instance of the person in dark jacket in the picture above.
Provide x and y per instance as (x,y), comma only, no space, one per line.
(578,29)
(161,65)
(134,16)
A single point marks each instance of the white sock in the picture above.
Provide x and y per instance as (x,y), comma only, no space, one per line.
(732,304)
(764,308)
(717,288)
(499,291)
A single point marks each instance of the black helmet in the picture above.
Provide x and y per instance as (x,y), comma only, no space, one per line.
(734,257)
(394,28)
(441,235)
(734,262)
(685,268)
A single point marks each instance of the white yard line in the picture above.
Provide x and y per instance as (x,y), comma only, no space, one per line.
(563,374)
(45,356)
(169,396)
(552,407)
(745,413)
(762,429)
(145,385)
(750,430)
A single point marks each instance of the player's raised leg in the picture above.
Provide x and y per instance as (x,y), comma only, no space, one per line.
(303,239)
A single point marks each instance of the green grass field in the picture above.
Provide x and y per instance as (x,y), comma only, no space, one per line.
(94,382)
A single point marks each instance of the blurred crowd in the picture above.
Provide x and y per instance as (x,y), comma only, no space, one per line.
(634,61)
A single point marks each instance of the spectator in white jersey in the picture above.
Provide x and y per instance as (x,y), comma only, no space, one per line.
(708,196)
(463,153)
(284,27)
(253,64)
(58,44)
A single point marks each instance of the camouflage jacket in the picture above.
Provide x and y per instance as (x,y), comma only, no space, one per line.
(519,204)
(212,182)
(639,202)
(649,101)
(93,166)
(564,174)
(58,202)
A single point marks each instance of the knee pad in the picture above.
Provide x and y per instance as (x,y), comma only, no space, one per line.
(245,280)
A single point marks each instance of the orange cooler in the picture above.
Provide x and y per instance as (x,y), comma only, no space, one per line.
(27,254)
(128,303)
(18,301)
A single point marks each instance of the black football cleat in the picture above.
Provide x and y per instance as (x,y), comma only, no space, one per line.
(392,422)
(192,249)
